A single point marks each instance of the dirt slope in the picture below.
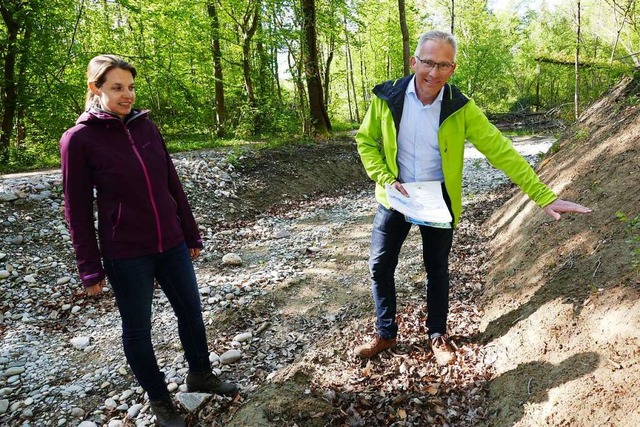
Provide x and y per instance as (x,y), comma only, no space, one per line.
(562,313)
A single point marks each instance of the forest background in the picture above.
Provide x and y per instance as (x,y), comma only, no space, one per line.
(279,71)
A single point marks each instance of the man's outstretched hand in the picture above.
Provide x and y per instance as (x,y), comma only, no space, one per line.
(560,206)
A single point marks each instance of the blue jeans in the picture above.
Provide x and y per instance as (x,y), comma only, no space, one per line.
(132,280)
(390,229)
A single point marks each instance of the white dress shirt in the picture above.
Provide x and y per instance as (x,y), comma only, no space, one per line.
(418,152)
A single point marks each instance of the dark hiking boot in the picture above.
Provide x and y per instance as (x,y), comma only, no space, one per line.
(208,382)
(166,413)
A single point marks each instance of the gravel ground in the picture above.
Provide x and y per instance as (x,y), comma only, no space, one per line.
(61,362)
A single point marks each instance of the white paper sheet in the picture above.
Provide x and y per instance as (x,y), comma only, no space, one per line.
(424,204)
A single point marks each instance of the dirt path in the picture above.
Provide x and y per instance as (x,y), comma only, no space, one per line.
(302,292)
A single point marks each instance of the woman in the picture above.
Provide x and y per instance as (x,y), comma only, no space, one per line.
(146,230)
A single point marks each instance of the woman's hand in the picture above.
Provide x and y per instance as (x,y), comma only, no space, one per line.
(95,289)
(194,253)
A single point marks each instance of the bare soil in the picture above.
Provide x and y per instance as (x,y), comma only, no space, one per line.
(561,308)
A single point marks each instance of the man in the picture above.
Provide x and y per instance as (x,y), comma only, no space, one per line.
(415,131)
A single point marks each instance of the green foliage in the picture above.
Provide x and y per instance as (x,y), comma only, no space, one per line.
(34,155)
(632,225)
(581,134)
(506,61)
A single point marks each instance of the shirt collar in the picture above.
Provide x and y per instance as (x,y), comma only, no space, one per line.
(412,89)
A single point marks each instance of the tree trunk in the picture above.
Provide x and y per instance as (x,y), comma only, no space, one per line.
(21,87)
(297,72)
(363,78)
(346,60)
(538,69)
(327,68)
(453,14)
(249,30)
(9,92)
(317,109)
(221,111)
(405,38)
(577,67)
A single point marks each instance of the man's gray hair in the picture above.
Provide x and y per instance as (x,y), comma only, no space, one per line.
(439,36)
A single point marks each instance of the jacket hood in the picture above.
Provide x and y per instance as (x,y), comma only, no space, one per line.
(94,116)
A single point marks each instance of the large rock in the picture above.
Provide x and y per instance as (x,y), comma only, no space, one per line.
(231,259)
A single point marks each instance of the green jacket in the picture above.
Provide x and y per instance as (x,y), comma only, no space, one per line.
(460,120)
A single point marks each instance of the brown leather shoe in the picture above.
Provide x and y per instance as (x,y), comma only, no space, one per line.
(443,351)
(375,346)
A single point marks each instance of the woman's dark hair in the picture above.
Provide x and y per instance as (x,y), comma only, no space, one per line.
(97,74)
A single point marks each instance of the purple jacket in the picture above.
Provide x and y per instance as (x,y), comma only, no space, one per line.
(142,208)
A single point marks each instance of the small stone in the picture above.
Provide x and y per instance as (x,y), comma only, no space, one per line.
(8,197)
(29,278)
(16,370)
(282,234)
(110,404)
(77,412)
(192,401)
(63,280)
(245,336)
(263,328)
(231,259)
(87,424)
(230,357)
(4,405)
(17,240)
(134,410)
(4,274)
(80,343)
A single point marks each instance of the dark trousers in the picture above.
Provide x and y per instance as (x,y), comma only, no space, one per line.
(132,280)
(390,229)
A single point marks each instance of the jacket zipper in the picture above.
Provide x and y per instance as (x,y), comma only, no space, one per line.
(149,187)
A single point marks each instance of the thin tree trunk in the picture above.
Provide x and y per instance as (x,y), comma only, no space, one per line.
(577,68)
(453,14)
(353,85)
(246,65)
(20,89)
(327,68)
(346,60)
(276,72)
(221,111)
(9,92)
(405,37)
(363,77)
(538,69)
(297,72)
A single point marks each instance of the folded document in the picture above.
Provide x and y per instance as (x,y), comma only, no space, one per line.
(424,206)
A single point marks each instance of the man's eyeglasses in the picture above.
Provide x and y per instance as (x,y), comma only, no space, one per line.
(441,66)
